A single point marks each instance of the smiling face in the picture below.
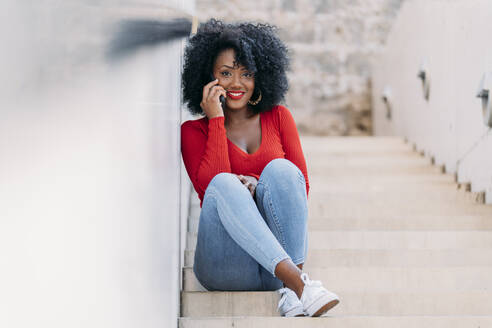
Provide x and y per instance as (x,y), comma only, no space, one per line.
(235,79)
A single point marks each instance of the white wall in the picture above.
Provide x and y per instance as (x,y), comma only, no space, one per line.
(453,37)
(89,169)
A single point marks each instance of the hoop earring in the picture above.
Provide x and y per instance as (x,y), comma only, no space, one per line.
(256,102)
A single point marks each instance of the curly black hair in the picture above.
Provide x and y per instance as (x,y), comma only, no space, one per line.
(257,47)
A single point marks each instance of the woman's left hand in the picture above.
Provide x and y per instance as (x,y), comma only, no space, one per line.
(250,183)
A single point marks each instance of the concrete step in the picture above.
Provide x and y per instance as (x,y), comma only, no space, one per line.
(401,179)
(384,279)
(381,155)
(341,207)
(338,322)
(408,194)
(356,185)
(390,240)
(318,169)
(193,215)
(357,161)
(401,222)
(311,144)
(388,232)
(380,194)
(253,304)
(413,196)
(417,258)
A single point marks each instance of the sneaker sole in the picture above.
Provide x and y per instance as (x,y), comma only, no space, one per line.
(295,312)
(321,306)
(328,306)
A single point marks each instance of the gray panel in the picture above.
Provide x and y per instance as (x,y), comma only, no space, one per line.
(89,169)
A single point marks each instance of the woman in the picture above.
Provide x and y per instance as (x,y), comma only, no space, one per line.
(245,161)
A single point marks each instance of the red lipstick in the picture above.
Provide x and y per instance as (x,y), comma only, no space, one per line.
(235,95)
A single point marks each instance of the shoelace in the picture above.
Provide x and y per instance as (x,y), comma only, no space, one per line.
(308,282)
(283,292)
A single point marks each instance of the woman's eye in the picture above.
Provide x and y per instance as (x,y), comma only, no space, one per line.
(248,74)
(225,73)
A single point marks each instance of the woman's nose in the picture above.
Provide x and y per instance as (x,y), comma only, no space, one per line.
(235,81)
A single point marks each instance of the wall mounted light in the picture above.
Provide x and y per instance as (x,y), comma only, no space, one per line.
(387,98)
(423,75)
(484,93)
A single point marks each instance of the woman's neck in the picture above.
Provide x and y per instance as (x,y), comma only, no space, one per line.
(233,117)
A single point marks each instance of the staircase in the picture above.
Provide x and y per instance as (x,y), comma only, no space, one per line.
(388,232)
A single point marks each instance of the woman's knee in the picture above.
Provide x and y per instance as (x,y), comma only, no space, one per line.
(222,183)
(223,178)
(226,186)
(225,181)
(283,171)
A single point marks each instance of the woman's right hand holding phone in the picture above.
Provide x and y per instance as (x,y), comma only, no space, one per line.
(211,99)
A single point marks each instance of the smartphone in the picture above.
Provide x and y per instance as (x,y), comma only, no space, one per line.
(221,98)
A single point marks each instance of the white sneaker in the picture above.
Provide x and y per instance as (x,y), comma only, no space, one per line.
(289,304)
(316,300)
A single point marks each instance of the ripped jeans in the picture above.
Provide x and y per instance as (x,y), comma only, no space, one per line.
(241,240)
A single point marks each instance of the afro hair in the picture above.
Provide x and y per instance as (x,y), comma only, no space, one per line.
(257,47)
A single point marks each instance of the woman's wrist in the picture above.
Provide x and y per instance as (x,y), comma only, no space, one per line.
(215,116)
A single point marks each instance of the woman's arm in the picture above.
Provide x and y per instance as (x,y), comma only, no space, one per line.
(291,142)
(204,155)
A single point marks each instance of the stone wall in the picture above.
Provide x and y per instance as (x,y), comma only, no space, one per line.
(332,44)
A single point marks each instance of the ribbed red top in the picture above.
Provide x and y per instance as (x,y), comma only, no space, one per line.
(207,151)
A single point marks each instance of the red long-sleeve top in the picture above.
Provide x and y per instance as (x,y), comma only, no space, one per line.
(207,151)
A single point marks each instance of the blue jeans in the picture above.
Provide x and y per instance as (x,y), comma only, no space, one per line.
(240,239)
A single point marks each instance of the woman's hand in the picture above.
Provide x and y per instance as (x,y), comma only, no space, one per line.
(250,183)
(211,99)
